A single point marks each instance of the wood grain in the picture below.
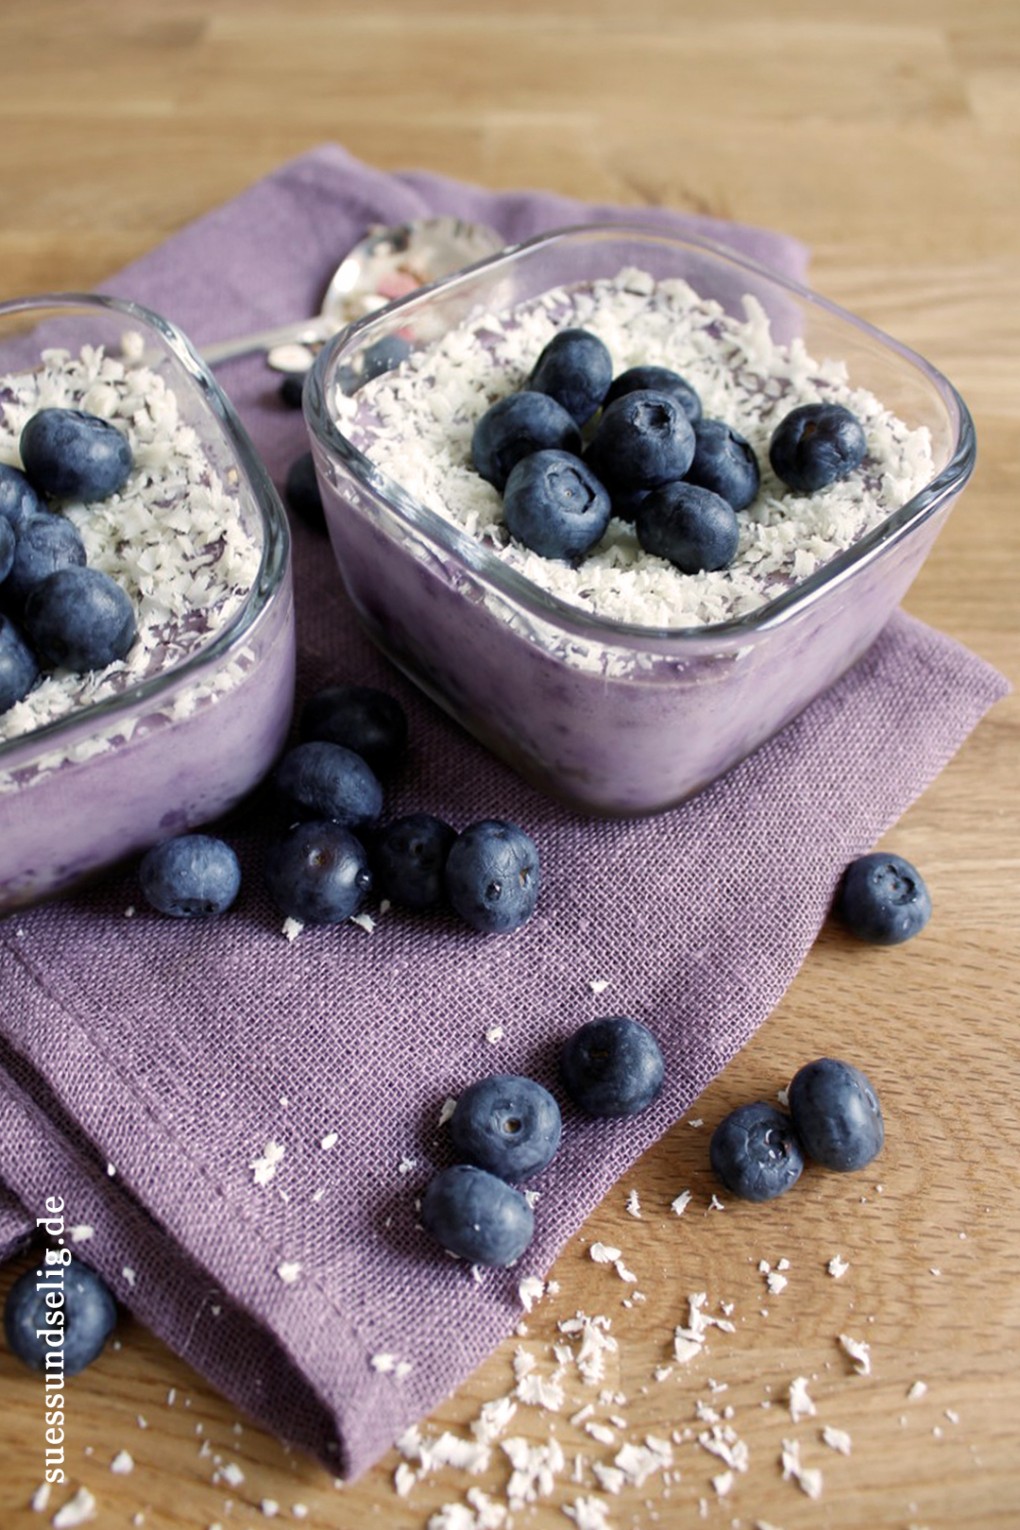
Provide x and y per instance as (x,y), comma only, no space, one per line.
(888,138)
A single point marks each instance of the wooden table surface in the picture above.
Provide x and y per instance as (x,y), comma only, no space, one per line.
(887,136)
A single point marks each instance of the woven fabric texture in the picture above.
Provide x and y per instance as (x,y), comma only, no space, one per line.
(146,1064)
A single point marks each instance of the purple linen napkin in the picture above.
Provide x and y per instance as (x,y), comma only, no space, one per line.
(153,1070)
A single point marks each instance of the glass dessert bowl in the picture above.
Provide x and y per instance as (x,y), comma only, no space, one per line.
(615,684)
(96,766)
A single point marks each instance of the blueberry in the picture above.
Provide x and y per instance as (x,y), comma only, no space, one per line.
(8,542)
(656,380)
(409,860)
(475,1214)
(756,1152)
(815,445)
(575,369)
(516,426)
(85,1316)
(318,872)
(18,500)
(506,1124)
(292,390)
(643,439)
(79,619)
(369,721)
(302,493)
(384,354)
(190,876)
(74,455)
(19,668)
(492,876)
(836,1114)
(692,528)
(724,462)
(322,780)
(555,505)
(612,1067)
(883,899)
(42,545)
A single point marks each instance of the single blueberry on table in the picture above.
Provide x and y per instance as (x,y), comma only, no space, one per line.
(409,860)
(883,899)
(88,1309)
(19,668)
(18,500)
(8,542)
(724,462)
(70,454)
(302,493)
(384,354)
(321,780)
(514,427)
(477,1215)
(836,1114)
(756,1153)
(507,1124)
(492,876)
(815,445)
(643,439)
(575,369)
(695,530)
(43,544)
(191,876)
(362,718)
(79,619)
(612,1067)
(555,505)
(656,380)
(318,872)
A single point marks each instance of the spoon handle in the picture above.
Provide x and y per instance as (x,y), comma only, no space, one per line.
(297,332)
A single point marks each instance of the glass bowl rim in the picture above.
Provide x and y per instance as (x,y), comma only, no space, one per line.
(275,554)
(588,625)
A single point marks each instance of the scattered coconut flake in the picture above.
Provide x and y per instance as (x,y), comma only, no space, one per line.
(801,1405)
(604,1253)
(389,1365)
(41,1497)
(122,1463)
(837,1267)
(588,1513)
(82,1233)
(329,1141)
(291,928)
(128,1274)
(448,1107)
(264,1167)
(723,1483)
(715,1204)
(597,985)
(633,1206)
(680,1203)
(535,1469)
(917,1391)
(859,1352)
(269,1507)
(530,1290)
(289,1270)
(364,922)
(689,1340)
(808,1479)
(77,1511)
(494,1034)
(837,1439)
(231,1473)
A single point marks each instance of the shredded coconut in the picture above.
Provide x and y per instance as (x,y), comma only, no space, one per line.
(416,422)
(77,1511)
(859,1352)
(174,537)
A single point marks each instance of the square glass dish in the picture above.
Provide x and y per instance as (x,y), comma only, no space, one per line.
(614,694)
(100,765)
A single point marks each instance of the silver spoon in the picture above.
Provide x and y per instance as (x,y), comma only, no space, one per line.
(383,265)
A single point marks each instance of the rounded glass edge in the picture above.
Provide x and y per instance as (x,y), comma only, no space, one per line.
(590,625)
(275,554)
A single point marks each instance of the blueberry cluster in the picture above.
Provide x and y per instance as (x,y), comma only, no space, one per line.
(577,446)
(834,1118)
(55,611)
(335,849)
(506,1128)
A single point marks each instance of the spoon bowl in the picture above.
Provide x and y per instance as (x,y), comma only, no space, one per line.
(387,263)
